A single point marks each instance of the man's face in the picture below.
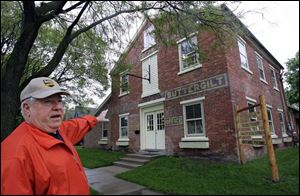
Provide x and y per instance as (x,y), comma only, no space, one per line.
(46,114)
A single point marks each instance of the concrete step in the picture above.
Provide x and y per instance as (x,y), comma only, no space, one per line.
(127,164)
(135,160)
(143,156)
(153,152)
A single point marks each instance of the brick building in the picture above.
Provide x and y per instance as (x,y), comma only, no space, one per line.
(188,106)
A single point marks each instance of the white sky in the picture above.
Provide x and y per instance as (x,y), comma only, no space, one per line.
(277,28)
(274,23)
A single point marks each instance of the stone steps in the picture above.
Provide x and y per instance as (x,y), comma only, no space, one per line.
(134,160)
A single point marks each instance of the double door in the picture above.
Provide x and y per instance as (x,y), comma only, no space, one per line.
(155,130)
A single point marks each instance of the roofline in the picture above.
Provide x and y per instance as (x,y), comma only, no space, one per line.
(129,45)
(249,33)
(252,36)
(102,104)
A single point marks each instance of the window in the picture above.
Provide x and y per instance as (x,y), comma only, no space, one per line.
(281,120)
(150,126)
(274,79)
(260,65)
(124,88)
(188,55)
(193,119)
(270,119)
(252,115)
(160,121)
(243,54)
(104,130)
(149,39)
(124,126)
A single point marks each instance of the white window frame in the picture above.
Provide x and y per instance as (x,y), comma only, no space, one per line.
(270,121)
(194,102)
(149,39)
(192,38)
(122,91)
(274,78)
(282,123)
(103,129)
(253,102)
(126,115)
(260,65)
(242,47)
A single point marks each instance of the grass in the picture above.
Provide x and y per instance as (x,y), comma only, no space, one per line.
(93,158)
(94,192)
(186,176)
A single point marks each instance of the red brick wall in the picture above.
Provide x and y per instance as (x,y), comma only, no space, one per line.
(244,84)
(218,103)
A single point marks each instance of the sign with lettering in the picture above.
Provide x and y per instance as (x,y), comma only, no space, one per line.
(199,86)
(175,120)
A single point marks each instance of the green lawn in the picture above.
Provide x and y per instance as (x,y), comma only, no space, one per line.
(93,158)
(177,175)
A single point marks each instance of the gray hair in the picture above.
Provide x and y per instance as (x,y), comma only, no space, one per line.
(28,101)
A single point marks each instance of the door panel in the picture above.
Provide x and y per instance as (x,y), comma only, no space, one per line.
(155,131)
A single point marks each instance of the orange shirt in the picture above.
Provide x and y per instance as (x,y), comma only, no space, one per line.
(34,162)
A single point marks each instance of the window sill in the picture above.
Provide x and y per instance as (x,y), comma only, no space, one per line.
(149,47)
(247,70)
(287,139)
(264,81)
(276,89)
(256,136)
(195,139)
(277,141)
(194,142)
(192,68)
(122,142)
(103,141)
(274,136)
(201,145)
(123,94)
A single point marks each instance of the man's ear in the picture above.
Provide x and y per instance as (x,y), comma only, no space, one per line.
(26,108)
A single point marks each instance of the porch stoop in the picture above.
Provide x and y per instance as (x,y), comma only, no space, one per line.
(138,159)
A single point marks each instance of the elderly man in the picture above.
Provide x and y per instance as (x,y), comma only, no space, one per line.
(39,157)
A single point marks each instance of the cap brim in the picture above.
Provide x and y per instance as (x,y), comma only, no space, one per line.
(44,94)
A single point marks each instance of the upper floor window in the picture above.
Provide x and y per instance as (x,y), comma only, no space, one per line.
(124,87)
(149,39)
(188,55)
(243,54)
(273,78)
(259,62)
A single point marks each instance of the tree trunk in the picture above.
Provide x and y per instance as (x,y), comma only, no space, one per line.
(11,78)
(9,108)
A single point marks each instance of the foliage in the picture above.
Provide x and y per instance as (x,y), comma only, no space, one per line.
(191,176)
(292,79)
(74,42)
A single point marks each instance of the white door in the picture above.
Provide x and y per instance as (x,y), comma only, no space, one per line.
(155,130)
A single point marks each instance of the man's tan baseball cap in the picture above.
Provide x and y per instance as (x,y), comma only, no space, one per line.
(40,88)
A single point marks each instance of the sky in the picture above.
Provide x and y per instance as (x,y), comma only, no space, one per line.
(274,23)
(277,28)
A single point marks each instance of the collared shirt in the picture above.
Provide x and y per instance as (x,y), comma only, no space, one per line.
(34,162)
(57,135)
